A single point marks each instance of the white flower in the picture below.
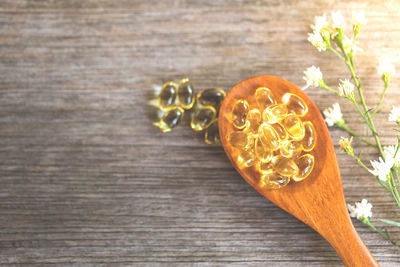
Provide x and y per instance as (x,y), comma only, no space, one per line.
(382,168)
(389,152)
(320,23)
(358,20)
(338,21)
(386,70)
(313,76)
(316,40)
(361,210)
(346,88)
(333,115)
(349,44)
(395,114)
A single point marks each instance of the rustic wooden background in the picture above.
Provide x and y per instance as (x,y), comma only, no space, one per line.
(85,179)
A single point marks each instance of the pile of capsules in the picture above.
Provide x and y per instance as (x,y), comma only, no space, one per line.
(273,139)
(175,99)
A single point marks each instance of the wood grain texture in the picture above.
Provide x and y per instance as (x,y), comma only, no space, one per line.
(85,179)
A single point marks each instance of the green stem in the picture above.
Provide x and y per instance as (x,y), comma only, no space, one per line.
(347,129)
(323,85)
(380,100)
(384,235)
(330,48)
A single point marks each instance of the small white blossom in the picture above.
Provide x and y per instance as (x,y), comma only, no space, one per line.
(382,168)
(389,152)
(349,44)
(358,20)
(395,114)
(338,21)
(320,23)
(386,70)
(362,210)
(313,76)
(333,115)
(316,40)
(346,88)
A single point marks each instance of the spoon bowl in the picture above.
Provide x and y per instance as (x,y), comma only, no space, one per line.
(318,201)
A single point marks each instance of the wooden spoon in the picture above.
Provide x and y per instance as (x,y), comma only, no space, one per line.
(318,200)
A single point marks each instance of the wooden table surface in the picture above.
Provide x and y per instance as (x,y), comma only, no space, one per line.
(85,179)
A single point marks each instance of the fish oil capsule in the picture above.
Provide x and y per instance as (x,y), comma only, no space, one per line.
(202,118)
(265,167)
(212,134)
(167,95)
(310,136)
(294,127)
(274,180)
(306,165)
(211,97)
(241,140)
(289,147)
(285,166)
(280,131)
(247,159)
(186,94)
(295,104)
(253,121)
(239,113)
(262,153)
(171,118)
(268,137)
(264,97)
(274,113)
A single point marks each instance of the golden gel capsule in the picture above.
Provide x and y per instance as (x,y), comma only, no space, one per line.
(167,95)
(306,165)
(262,153)
(247,159)
(289,147)
(186,94)
(294,127)
(310,136)
(264,98)
(211,97)
(274,113)
(241,140)
(171,118)
(280,131)
(239,113)
(202,118)
(295,104)
(274,181)
(268,136)
(253,121)
(285,166)
(265,167)
(212,134)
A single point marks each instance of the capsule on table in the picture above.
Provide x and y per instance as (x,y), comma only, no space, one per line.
(285,166)
(253,121)
(239,113)
(280,131)
(295,104)
(186,95)
(274,180)
(241,140)
(274,113)
(264,97)
(167,96)
(294,127)
(262,153)
(265,167)
(310,136)
(288,148)
(246,159)
(171,118)
(203,118)
(306,165)
(211,97)
(212,134)
(268,136)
